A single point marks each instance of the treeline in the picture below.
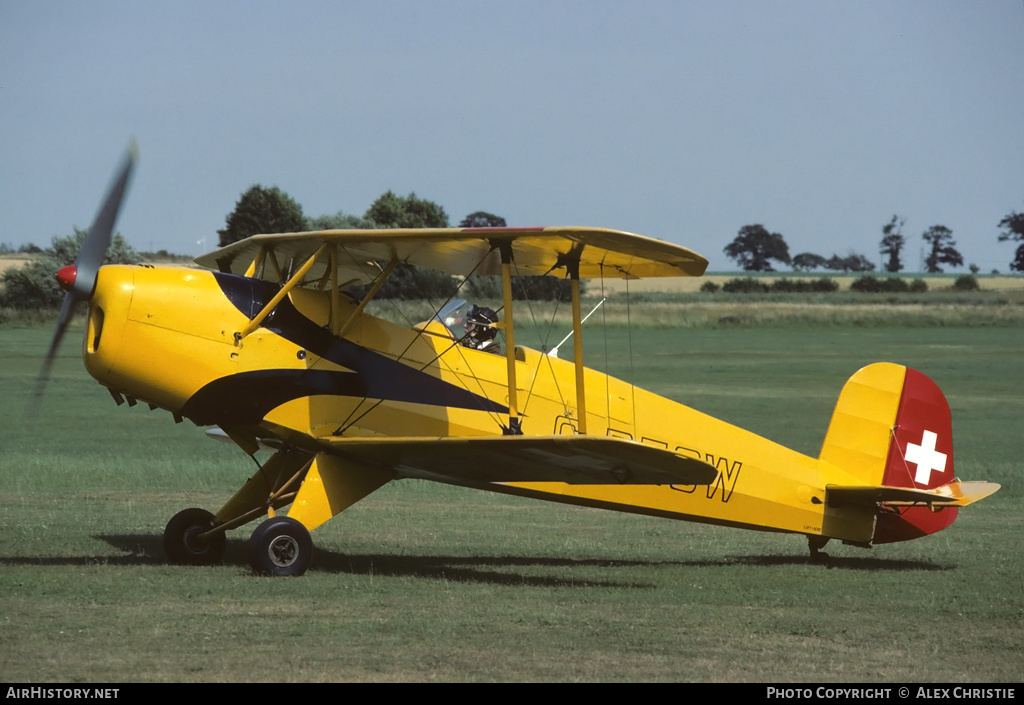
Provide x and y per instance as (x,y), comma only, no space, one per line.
(866,284)
(755,249)
(270,210)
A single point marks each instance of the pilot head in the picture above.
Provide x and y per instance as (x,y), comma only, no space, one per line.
(479,324)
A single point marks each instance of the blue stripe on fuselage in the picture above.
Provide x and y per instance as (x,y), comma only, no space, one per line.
(373,375)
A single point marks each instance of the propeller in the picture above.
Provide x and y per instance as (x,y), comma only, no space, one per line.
(79,279)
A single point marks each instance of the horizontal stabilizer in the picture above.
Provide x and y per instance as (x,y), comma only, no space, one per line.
(954,494)
(576,460)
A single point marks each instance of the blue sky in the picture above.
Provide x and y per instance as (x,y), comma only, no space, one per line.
(681,120)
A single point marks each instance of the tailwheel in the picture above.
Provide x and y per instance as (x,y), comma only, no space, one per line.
(182,542)
(280,546)
(815,544)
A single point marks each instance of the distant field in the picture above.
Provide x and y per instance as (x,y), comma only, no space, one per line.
(693,284)
(8,261)
(423,582)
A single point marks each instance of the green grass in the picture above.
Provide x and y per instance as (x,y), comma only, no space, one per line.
(423,582)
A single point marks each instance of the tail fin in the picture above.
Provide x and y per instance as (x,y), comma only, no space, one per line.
(892,428)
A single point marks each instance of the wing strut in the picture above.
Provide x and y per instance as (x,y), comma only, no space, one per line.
(335,293)
(505,249)
(385,274)
(292,283)
(572,266)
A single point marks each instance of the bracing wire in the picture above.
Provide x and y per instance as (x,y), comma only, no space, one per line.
(348,422)
(545,338)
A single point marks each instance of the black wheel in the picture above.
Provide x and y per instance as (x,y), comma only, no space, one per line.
(280,546)
(182,543)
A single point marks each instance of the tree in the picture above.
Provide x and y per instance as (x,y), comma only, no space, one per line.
(524,288)
(754,247)
(1014,224)
(851,263)
(409,281)
(893,242)
(806,261)
(35,286)
(873,285)
(391,211)
(483,219)
(966,282)
(943,249)
(262,210)
(340,221)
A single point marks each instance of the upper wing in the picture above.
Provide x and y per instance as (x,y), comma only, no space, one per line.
(602,253)
(576,460)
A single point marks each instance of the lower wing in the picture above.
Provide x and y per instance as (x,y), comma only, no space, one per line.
(577,460)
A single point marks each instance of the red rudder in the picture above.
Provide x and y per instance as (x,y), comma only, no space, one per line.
(920,456)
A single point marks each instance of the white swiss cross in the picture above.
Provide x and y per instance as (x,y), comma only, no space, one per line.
(926,457)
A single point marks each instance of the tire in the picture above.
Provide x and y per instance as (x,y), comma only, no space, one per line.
(280,546)
(181,542)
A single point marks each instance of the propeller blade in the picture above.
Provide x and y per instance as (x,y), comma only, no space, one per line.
(79,280)
(94,249)
(66,309)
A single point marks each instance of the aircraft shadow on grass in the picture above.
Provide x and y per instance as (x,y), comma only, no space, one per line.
(145,549)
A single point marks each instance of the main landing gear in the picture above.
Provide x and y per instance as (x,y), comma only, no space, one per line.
(316,488)
(280,546)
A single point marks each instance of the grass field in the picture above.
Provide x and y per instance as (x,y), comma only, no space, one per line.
(423,582)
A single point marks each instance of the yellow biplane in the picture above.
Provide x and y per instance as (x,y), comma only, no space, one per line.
(269,348)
